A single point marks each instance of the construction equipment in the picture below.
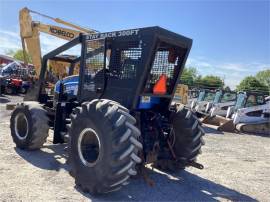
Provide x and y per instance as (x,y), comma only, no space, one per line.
(120,115)
(219,106)
(192,96)
(254,117)
(200,104)
(181,94)
(249,114)
(30,30)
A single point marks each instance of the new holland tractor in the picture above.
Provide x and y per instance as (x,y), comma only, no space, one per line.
(116,115)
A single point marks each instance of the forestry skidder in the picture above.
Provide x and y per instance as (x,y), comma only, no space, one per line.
(116,113)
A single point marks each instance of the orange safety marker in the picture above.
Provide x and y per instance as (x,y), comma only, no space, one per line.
(161,85)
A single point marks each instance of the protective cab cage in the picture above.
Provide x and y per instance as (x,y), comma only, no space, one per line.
(137,59)
(123,66)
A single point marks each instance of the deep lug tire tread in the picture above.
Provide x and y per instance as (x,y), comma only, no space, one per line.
(189,135)
(188,140)
(124,146)
(38,125)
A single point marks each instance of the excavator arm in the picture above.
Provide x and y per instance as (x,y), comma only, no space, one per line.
(30,30)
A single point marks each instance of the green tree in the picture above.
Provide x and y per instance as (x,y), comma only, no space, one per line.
(188,76)
(18,55)
(250,83)
(264,77)
(209,81)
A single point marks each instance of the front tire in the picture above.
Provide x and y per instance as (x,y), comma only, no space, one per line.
(23,90)
(29,126)
(9,90)
(103,147)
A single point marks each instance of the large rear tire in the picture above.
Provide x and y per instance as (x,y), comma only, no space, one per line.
(29,125)
(186,141)
(188,136)
(103,147)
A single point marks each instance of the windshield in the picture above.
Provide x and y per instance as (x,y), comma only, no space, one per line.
(240,101)
(193,94)
(201,95)
(251,101)
(217,97)
(228,97)
(209,96)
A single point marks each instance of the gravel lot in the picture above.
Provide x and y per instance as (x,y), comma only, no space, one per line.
(237,168)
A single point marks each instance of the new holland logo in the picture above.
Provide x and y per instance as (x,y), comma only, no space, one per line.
(61,32)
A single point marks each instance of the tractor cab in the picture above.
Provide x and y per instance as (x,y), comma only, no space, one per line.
(138,68)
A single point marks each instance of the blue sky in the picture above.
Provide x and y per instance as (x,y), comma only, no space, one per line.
(231,39)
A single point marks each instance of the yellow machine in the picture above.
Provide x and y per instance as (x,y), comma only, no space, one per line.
(30,30)
(181,94)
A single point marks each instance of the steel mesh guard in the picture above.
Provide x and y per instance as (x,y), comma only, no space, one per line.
(162,66)
(124,62)
(94,64)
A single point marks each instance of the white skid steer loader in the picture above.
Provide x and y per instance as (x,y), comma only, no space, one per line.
(254,117)
(250,114)
(199,106)
(222,101)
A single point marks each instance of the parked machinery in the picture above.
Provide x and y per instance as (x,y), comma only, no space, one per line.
(199,105)
(181,94)
(192,96)
(119,113)
(249,114)
(222,101)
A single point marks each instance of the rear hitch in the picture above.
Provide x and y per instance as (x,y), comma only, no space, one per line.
(196,165)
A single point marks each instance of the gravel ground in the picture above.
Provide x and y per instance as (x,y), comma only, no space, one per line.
(237,168)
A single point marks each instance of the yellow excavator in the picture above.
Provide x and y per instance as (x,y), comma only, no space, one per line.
(30,31)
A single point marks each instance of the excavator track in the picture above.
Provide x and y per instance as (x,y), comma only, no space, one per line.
(262,127)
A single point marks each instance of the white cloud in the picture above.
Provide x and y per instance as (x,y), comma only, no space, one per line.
(231,72)
(10,40)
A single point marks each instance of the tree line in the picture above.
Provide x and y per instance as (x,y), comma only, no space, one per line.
(260,82)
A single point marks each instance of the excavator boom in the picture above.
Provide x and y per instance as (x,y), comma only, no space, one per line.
(30,30)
